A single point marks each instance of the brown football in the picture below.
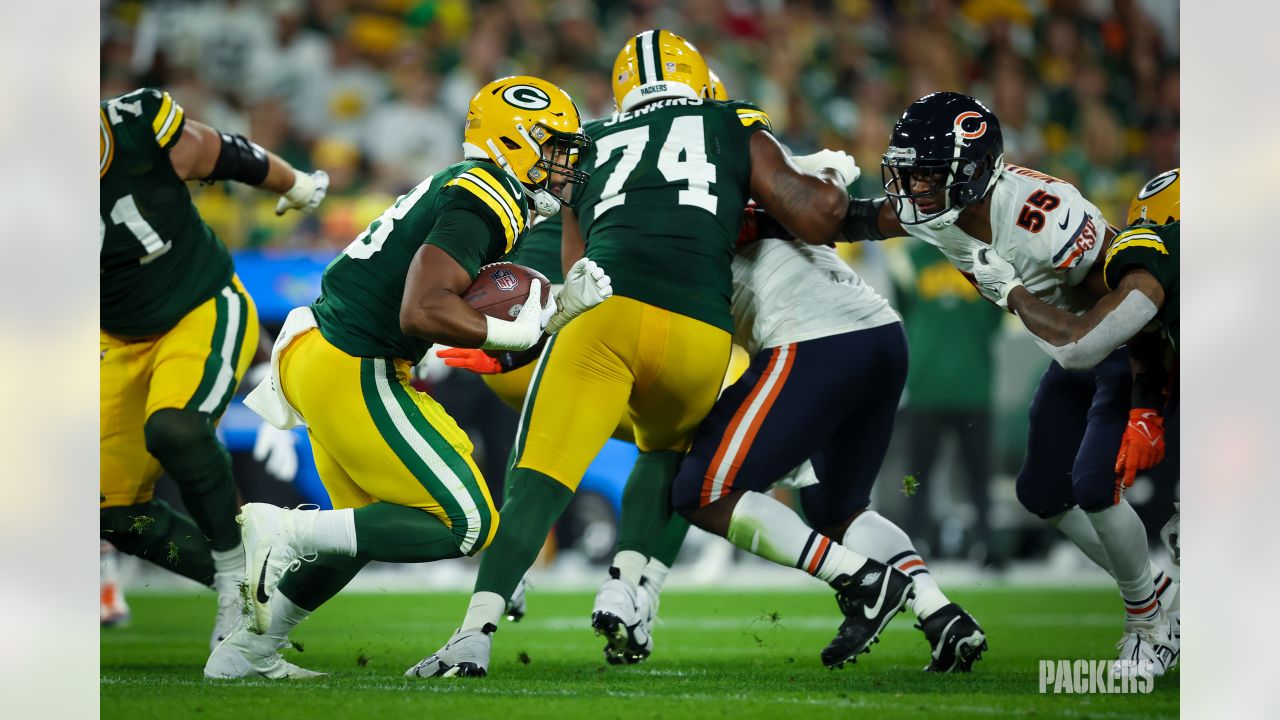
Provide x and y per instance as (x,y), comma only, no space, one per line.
(501,288)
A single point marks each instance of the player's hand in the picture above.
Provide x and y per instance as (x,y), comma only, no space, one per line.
(523,332)
(307,192)
(994,276)
(585,286)
(278,452)
(1142,446)
(838,160)
(477,361)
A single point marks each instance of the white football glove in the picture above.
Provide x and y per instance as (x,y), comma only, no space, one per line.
(307,192)
(838,160)
(996,278)
(585,286)
(523,332)
(277,450)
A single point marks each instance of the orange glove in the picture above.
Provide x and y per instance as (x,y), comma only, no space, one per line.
(477,361)
(1142,446)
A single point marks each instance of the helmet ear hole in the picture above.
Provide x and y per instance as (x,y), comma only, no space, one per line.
(511,144)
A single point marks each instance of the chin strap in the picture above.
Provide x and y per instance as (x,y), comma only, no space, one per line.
(544,203)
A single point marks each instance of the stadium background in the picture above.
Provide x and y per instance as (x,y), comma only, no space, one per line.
(375,92)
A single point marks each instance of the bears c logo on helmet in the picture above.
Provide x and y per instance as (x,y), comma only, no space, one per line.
(527,97)
(970,134)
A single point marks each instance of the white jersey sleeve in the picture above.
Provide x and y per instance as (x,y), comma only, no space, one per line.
(786,291)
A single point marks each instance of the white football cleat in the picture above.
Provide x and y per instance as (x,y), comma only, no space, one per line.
(517,606)
(616,616)
(647,600)
(1171,535)
(1147,647)
(113,610)
(270,539)
(465,655)
(230,611)
(246,655)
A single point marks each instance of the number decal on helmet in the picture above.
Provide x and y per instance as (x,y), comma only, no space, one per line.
(1157,183)
(970,134)
(527,97)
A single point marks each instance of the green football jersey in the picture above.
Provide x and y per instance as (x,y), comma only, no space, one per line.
(157,259)
(540,247)
(1154,249)
(663,207)
(473,210)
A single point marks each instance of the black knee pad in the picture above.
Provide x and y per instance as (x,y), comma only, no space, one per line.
(170,433)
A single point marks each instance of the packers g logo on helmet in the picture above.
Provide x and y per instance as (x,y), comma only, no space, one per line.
(658,64)
(527,97)
(1158,202)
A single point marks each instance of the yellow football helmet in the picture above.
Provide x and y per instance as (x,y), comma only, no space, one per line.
(658,64)
(1157,203)
(532,129)
(717,88)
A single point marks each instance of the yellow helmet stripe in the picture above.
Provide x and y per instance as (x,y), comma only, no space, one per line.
(1137,237)
(106,144)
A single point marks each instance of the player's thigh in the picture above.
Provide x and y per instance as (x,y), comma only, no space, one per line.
(199,363)
(1095,483)
(127,472)
(680,366)
(578,393)
(511,387)
(343,491)
(395,444)
(1056,425)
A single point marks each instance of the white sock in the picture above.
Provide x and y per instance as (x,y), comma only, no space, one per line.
(1124,538)
(1075,524)
(630,566)
(486,609)
(228,570)
(765,527)
(655,574)
(284,616)
(878,538)
(332,532)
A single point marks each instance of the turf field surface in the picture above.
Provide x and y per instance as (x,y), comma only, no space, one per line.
(718,655)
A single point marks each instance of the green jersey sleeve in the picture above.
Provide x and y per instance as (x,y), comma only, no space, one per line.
(1137,247)
(466,237)
(150,117)
(750,116)
(492,197)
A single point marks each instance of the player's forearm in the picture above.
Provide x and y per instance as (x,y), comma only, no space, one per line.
(281,176)
(1081,342)
(1053,325)
(811,207)
(443,317)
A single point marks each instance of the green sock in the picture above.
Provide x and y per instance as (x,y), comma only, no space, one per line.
(186,446)
(506,475)
(156,532)
(646,502)
(313,583)
(672,539)
(535,503)
(397,533)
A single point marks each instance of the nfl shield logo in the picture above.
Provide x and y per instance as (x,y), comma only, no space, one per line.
(504,279)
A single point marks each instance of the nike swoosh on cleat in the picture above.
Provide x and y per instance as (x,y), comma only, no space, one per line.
(874,610)
(943,637)
(1065,220)
(262,579)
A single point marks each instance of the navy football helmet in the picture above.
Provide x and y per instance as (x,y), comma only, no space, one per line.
(950,144)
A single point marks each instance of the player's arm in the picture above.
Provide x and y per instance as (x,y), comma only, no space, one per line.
(432,307)
(202,153)
(1079,342)
(572,247)
(812,206)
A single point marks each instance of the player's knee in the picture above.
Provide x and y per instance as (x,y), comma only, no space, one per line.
(1096,492)
(134,529)
(171,432)
(1032,493)
(489,520)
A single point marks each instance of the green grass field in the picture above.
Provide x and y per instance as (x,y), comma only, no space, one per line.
(718,655)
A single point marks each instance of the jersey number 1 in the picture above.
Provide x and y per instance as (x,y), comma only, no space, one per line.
(125,212)
(687,137)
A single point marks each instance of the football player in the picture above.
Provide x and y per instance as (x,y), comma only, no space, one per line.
(177,333)
(658,348)
(397,468)
(946,182)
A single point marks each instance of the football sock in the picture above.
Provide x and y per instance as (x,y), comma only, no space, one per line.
(389,533)
(228,570)
(765,527)
(313,583)
(186,446)
(156,532)
(1125,539)
(486,608)
(630,566)
(536,502)
(646,502)
(875,536)
(655,574)
(285,614)
(1075,524)
(672,540)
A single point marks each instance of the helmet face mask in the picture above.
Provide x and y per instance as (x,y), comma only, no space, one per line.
(555,170)
(945,154)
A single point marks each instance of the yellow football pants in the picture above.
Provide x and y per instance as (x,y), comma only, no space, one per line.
(375,438)
(196,365)
(660,369)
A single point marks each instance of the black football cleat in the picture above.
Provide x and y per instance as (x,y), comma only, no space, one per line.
(869,598)
(956,638)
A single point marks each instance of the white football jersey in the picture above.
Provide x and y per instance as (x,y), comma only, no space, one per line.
(1043,226)
(785,291)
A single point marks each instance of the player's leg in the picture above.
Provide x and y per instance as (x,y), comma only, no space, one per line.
(974,430)
(780,412)
(114,611)
(924,431)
